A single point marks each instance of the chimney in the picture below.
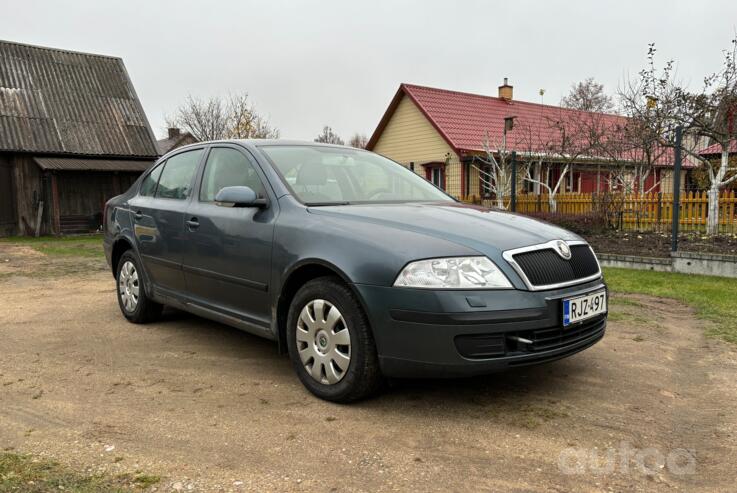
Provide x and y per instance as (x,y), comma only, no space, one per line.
(175,132)
(505,91)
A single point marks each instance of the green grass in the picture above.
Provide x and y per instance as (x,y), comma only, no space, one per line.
(713,298)
(65,246)
(23,473)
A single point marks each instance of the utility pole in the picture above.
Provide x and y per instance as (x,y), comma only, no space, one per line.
(513,202)
(676,191)
(508,126)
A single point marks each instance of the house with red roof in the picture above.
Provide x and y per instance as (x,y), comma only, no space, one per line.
(440,134)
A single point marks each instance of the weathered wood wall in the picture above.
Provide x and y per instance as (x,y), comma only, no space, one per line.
(30,191)
(73,201)
(82,197)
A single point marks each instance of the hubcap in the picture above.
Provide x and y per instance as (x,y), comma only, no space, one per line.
(323,342)
(128,286)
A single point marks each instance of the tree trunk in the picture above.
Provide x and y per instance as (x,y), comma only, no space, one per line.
(712,225)
(552,203)
(500,201)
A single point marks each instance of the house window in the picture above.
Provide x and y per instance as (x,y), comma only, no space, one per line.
(484,178)
(412,166)
(436,177)
(435,173)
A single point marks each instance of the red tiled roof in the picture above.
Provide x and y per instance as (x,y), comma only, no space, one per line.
(463,119)
(716,149)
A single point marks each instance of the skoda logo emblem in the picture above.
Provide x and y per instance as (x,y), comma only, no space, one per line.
(563,249)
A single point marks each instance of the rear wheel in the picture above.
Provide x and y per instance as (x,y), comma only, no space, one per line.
(330,342)
(136,306)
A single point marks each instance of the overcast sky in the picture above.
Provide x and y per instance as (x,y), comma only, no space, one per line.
(338,63)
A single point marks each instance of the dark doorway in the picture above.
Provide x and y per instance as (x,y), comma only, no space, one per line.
(7,197)
(82,197)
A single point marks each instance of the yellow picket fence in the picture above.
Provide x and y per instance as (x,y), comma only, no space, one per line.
(653,211)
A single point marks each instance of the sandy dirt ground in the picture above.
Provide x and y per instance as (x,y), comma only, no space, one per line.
(210,408)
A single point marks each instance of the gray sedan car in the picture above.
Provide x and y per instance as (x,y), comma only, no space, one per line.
(356,266)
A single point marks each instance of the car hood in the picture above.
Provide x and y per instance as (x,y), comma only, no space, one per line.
(487,231)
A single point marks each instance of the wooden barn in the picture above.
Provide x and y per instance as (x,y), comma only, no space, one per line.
(72,135)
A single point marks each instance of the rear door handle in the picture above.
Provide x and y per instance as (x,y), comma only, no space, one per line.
(138,215)
(193,223)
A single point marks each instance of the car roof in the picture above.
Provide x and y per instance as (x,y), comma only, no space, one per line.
(266,142)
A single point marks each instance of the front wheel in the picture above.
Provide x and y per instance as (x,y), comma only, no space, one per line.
(330,342)
(136,306)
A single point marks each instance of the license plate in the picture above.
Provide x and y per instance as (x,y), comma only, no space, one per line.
(583,307)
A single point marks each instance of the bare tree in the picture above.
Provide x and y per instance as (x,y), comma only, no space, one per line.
(567,143)
(217,118)
(610,143)
(246,122)
(645,152)
(329,137)
(358,140)
(706,115)
(588,95)
(495,172)
(204,119)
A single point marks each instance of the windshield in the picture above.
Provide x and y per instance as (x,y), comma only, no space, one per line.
(320,175)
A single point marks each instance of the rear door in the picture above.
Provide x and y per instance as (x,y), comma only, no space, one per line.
(158,217)
(228,261)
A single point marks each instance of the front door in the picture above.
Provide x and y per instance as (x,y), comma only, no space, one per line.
(227,266)
(158,217)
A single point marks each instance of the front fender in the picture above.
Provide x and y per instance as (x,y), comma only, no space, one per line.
(363,253)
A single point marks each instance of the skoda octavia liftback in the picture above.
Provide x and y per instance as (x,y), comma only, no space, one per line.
(356,266)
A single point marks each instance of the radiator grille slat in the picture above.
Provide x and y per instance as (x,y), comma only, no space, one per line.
(544,267)
(484,346)
(546,339)
(565,336)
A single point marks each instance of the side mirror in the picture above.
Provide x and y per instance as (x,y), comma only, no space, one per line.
(238,197)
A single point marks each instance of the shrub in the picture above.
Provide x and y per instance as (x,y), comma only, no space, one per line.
(581,224)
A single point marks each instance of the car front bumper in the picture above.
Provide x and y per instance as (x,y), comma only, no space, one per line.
(447,333)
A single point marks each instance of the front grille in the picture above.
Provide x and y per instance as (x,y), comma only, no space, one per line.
(545,267)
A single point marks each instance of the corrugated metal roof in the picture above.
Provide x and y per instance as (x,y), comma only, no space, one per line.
(716,149)
(68,102)
(82,164)
(166,145)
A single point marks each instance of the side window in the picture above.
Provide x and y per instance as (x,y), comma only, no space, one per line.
(176,179)
(228,168)
(148,187)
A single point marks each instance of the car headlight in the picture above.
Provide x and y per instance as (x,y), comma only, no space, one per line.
(453,273)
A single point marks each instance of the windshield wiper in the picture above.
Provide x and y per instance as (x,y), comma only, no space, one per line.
(318,204)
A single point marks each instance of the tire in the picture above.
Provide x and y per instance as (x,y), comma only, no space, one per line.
(322,344)
(139,309)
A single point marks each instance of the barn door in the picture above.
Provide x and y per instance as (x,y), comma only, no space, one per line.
(7,200)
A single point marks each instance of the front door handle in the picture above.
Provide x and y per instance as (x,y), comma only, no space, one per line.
(193,223)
